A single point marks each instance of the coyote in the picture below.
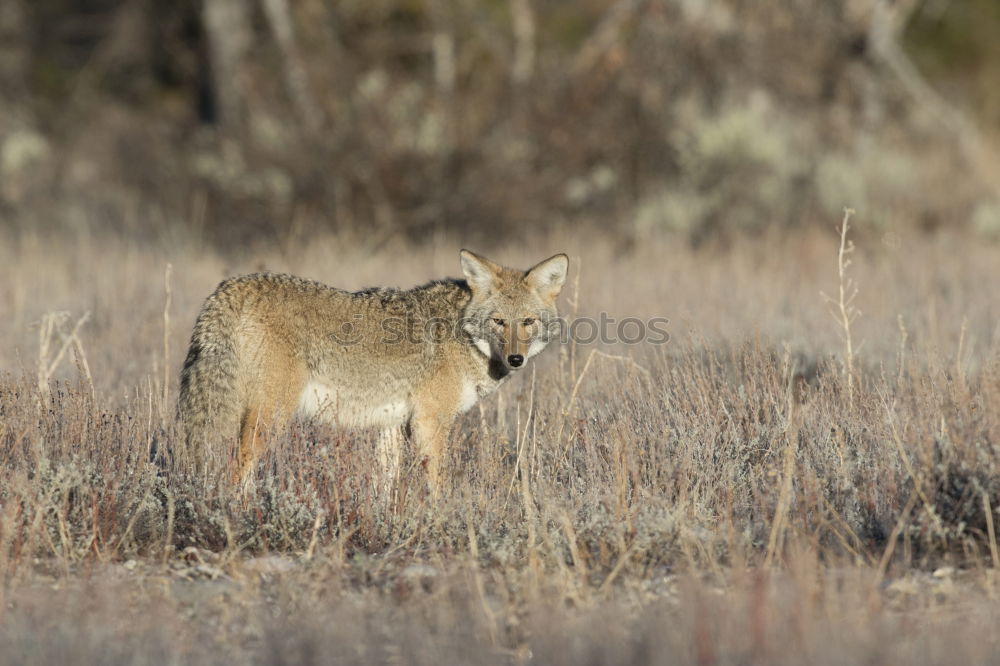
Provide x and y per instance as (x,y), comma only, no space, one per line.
(267,346)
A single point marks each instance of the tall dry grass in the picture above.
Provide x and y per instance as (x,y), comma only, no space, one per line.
(730,496)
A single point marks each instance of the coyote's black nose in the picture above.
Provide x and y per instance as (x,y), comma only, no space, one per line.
(515,360)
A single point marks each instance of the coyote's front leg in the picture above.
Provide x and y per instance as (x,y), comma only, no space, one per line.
(390,443)
(430,426)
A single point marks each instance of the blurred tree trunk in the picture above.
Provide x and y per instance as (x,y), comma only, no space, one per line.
(296,81)
(229,33)
(22,147)
(524,40)
(14,56)
(607,34)
(885,38)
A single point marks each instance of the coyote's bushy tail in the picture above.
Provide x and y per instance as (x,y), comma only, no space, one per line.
(208,405)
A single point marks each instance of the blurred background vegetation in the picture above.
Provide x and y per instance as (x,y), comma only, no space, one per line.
(223,122)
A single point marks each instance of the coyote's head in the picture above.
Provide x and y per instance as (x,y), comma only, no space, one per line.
(512,314)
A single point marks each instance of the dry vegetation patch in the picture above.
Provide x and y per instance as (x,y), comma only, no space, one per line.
(723,497)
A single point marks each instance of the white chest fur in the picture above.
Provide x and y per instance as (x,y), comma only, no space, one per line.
(468,397)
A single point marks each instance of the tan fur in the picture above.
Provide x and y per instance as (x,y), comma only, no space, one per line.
(266,347)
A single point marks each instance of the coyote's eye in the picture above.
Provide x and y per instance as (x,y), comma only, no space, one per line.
(499,322)
(528,321)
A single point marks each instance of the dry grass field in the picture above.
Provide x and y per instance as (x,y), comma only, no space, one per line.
(733,496)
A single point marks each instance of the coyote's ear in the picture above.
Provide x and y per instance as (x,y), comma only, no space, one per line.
(480,272)
(547,277)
